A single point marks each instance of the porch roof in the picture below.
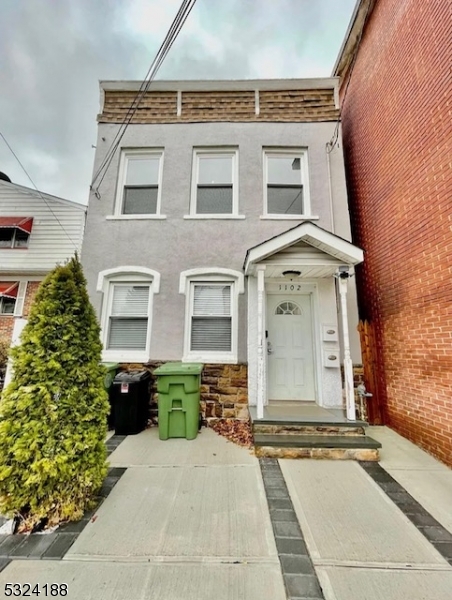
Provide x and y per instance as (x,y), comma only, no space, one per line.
(335,249)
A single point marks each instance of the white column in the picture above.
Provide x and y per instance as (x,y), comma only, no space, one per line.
(261,388)
(348,365)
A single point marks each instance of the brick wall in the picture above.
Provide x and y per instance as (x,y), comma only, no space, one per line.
(397,131)
(7,321)
(213,106)
(32,288)
(224,390)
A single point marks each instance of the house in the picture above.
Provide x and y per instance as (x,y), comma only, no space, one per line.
(220,234)
(37,231)
(395,93)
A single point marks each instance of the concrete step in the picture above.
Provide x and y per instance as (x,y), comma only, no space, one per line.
(340,447)
(309,428)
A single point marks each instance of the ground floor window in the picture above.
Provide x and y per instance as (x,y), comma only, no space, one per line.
(211,318)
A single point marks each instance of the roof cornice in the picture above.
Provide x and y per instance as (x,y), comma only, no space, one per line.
(361,14)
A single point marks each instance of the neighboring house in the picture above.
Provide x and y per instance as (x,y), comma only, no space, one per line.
(397,131)
(37,231)
(218,236)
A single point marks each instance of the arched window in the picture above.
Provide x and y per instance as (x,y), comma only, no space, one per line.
(127,312)
(287,308)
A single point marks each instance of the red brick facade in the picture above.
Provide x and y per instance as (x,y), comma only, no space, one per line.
(7,321)
(397,132)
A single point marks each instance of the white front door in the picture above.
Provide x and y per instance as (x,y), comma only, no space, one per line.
(290,348)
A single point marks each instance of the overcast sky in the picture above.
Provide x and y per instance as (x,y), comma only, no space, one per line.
(54,52)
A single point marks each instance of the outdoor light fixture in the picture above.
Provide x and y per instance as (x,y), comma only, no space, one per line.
(343,272)
(291,274)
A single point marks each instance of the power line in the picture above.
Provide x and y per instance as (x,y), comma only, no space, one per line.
(176,26)
(34,185)
(334,137)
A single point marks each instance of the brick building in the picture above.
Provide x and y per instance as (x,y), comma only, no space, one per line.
(396,92)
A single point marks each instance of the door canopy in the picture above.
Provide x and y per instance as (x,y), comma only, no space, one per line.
(321,253)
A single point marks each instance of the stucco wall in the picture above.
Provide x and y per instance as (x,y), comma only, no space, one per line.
(175,244)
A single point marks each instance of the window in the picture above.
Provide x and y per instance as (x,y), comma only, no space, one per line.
(215,188)
(128,320)
(11,237)
(15,231)
(211,322)
(8,297)
(286,185)
(139,189)
(7,305)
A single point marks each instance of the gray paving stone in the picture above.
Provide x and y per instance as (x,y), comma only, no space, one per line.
(303,586)
(10,543)
(286,529)
(279,503)
(283,515)
(34,546)
(4,562)
(296,564)
(436,534)
(276,494)
(390,486)
(423,520)
(290,546)
(274,483)
(444,548)
(61,545)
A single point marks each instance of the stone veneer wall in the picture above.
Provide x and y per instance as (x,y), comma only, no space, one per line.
(224,390)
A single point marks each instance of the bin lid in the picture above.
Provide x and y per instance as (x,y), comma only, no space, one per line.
(179,368)
(131,376)
(110,366)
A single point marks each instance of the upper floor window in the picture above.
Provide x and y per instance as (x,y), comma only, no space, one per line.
(140,182)
(286,184)
(15,231)
(215,183)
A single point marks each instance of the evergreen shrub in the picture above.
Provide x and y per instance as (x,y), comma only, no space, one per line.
(53,414)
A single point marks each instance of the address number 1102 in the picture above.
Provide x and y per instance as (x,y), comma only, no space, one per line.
(290,287)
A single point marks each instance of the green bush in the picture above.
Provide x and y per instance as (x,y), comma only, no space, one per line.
(53,414)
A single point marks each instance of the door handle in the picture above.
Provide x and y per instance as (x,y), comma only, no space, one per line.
(269,348)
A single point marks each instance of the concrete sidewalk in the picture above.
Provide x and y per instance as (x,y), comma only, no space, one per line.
(190,520)
(362,544)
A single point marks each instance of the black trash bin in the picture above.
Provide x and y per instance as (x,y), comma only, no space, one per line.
(131,401)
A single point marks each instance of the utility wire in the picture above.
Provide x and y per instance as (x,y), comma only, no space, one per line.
(176,26)
(34,185)
(330,145)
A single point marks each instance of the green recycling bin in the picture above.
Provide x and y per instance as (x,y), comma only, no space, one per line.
(112,368)
(178,387)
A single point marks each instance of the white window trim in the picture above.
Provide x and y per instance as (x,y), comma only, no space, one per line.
(199,152)
(105,283)
(301,153)
(186,286)
(144,153)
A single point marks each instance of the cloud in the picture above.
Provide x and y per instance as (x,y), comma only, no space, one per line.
(53,53)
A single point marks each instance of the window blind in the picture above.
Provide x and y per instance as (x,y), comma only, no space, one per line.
(130,300)
(129,318)
(211,325)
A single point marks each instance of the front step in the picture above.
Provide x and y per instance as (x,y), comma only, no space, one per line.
(356,428)
(337,447)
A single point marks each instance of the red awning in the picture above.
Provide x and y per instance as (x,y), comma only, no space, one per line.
(22,223)
(9,289)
